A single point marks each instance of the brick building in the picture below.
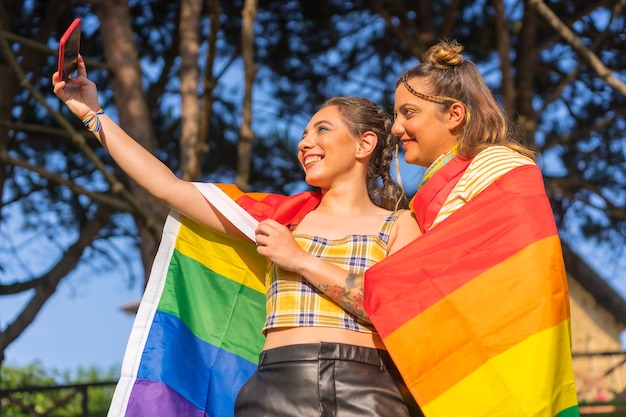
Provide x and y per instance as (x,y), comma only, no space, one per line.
(598,317)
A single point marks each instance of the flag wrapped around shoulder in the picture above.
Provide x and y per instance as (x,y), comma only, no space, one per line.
(197,334)
(475,312)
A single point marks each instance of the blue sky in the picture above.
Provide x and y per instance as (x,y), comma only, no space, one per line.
(82,325)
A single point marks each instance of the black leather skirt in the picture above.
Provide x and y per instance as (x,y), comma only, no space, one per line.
(324,380)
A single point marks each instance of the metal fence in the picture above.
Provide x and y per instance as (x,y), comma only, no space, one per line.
(70,392)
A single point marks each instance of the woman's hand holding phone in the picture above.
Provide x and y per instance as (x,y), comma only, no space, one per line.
(69,48)
(79,93)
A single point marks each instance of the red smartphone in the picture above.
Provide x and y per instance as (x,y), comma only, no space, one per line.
(69,46)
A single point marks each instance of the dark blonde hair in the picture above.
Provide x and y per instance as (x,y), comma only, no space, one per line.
(453,79)
(362,115)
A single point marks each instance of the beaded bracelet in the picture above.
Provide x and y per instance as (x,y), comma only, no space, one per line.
(92,122)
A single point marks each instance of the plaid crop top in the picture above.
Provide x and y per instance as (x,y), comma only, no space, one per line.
(293,302)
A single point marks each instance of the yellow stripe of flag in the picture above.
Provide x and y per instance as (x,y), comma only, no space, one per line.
(233,259)
(520,382)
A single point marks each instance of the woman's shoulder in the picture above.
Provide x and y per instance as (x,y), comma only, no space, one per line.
(486,167)
(500,155)
(405,230)
(495,161)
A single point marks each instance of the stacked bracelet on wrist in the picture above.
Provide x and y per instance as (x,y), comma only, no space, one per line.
(92,122)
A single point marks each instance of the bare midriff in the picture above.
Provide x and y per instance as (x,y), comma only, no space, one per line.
(299,335)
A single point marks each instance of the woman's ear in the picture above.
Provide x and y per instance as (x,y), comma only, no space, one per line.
(367,144)
(456,115)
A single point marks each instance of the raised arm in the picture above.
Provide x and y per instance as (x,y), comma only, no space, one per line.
(81,97)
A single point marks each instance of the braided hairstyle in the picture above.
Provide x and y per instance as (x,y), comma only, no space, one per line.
(362,115)
(453,79)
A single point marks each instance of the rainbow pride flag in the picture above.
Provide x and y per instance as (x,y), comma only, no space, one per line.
(475,312)
(197,334)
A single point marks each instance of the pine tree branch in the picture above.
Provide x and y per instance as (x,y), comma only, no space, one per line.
(588,56)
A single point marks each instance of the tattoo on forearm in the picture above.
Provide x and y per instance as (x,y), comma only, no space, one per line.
(350,297)
(351,280)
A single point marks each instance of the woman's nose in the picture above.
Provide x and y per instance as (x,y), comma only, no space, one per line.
(305,143)
(397,129)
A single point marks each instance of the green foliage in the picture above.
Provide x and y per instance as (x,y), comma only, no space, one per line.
(36,391)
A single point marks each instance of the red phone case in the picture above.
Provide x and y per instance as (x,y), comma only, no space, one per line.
(63,41)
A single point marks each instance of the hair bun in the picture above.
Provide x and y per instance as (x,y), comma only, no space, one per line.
(445,54)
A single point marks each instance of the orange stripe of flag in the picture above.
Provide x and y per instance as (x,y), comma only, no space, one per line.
(489,311)
(287,210)
(521,383)
(442,260)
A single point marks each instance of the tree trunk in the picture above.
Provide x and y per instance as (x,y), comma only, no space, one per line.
(246,136)
(526,57)
(8,88)
(209,80)
(190,148)
(503,43)
(134,116)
